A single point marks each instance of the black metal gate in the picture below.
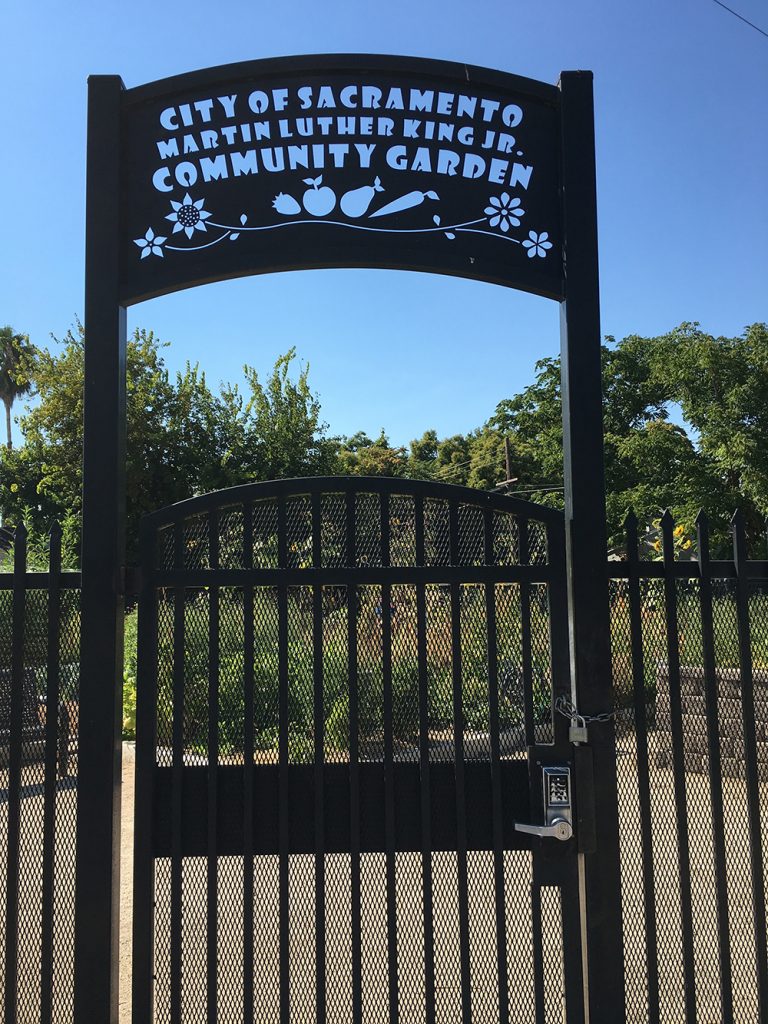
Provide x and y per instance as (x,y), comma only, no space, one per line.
(346,692)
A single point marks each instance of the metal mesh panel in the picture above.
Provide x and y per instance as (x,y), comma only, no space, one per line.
(672,914)
(370,680)
(437,541)
(196,657)
(506,539)
(231,538)
(299,530)
(165,666)
(552,955)
(474,665)
(303,945)
(6,602)
(62,987)
(405,675)
(510,669)
(439,664)
(447,947)
(196,543)
(471,536)
(402,545)
(537,543)
(333,534)
(300,678)
(338,949)
(162,951)
(46,801)
(266,902)
(368,529)
(335,673)
(518,912)
(410,935)
(231,666)
(194,932)
(265,669)
(541,663)
(484,978)
(31,816)
(264,517)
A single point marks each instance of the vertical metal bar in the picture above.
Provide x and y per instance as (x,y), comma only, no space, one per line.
(319,731)
(643,770)
(586,538)
(18,614)
(525,638)
(283,791)
(52,675)
(97,888)
(571,943)
(678,764)
(425,795)
(557,592)
(715,767)
(146,746)
(213,770)
(574,967)
(248,753)
(354,770)
(750,760)
(498,820)
(458,751)
(389,781)
(177,779)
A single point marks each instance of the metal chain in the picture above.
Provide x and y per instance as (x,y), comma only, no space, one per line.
(568,709)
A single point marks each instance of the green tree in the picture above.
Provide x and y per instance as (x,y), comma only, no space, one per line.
(721,385)
(17,358)
(183,439)
(359,456)
(284,435)
(650,463)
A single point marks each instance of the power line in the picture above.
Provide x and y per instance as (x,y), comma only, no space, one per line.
(741,18)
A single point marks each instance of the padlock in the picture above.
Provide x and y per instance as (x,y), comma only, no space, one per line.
(577,733)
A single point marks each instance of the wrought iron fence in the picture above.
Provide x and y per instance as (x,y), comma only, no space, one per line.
(690,656)
(39,683)
(690,649)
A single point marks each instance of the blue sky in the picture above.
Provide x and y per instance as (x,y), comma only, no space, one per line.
(681,92)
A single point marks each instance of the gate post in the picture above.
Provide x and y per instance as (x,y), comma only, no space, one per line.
(101,644)
(586,544)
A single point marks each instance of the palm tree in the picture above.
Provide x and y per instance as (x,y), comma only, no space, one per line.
(16,359)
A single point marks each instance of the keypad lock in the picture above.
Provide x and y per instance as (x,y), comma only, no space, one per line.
(558,813)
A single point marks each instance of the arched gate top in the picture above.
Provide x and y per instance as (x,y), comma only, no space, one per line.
(349,485)
(370,525)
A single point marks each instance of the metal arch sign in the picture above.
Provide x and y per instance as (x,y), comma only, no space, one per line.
(350,161)
(335,161)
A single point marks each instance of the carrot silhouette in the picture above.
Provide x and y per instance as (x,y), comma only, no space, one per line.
(404,203)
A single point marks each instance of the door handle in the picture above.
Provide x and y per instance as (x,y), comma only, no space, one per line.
(559,828)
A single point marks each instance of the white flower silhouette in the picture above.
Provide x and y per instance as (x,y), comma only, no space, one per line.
(150,243)
(504,211)
(188,216)
(537,245)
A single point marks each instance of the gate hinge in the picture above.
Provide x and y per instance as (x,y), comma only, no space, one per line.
(132,581)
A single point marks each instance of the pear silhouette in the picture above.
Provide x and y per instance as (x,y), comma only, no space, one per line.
(356,202)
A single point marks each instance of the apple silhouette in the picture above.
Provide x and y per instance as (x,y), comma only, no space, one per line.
(318,201)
